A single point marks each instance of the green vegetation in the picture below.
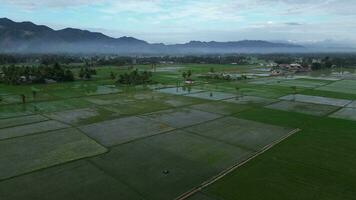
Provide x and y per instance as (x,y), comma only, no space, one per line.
(135,78)
(299,167)
(19,75)
(134,132)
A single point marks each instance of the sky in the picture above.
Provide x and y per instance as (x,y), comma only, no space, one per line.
(180,21)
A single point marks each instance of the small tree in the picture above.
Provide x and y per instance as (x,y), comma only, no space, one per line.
(237,92)
(294,88)
(185,75)
(112,76)
(189,74)
(23,97)
(81,73)
(68,75)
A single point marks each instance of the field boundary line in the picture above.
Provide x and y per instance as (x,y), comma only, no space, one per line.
(222,174)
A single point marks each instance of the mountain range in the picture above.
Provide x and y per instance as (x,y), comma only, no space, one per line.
(27,37)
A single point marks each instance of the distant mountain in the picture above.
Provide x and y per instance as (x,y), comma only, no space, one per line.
(27,37)
(325,45)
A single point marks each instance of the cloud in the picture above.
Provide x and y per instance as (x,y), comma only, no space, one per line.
(47,3)
(293,24)
(184,19)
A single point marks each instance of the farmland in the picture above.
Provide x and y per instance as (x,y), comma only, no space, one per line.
(96,139)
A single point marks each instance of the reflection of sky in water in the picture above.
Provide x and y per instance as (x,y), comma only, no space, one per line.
(169,69)
(104,90)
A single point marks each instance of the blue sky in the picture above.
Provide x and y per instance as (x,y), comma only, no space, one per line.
(178,21)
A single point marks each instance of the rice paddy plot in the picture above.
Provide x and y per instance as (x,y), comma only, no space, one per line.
(138,107)
(251,100)
(179,118)
(178,101)
(179,91)
(7,111)
(242,133)
(9,99)
(82,116)
(344,86)
(266,91)
(300,83)
(118,131)
(345,113)
(305,108)
(169,69)
(167,165)
(60,105)
(26,154)
(103,100)
(104,89)
(264,81)
(78,180)
(30,129)
(222,108)
(201,196)
(17,121)
(212,95)
(325,78)
(352,105)
(149,95)
(317,100)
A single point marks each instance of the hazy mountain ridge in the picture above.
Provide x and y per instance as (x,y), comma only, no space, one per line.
(27,37)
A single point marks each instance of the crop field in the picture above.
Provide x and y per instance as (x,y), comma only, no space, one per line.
(344,86)
(251,100)
(221,107)
(304,83)
(30,129)
(179,118)
(179,91)
(306,108)
(345,113)
(44,150)
(18,121)
(212,95)
(15,110)
(317,100)
(260,138)
(352,105)
(123,130)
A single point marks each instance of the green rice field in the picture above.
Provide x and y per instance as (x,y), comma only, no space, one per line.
(261,138)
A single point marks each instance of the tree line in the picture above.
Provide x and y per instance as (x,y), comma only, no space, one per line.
(135,77)
(16,75)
